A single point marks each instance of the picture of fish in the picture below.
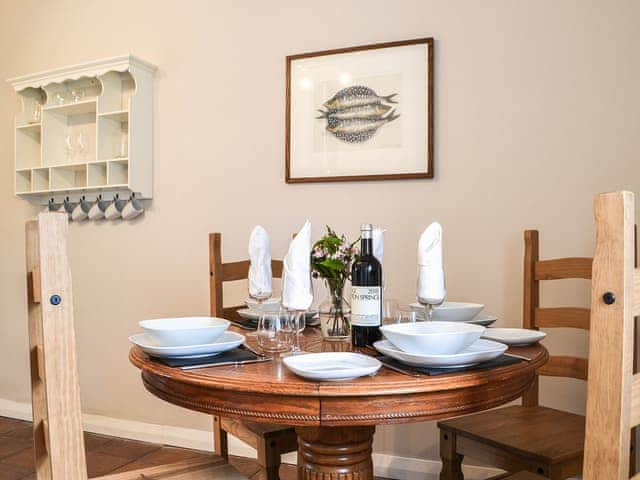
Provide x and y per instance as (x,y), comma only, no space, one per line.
(354,114)
(357,130)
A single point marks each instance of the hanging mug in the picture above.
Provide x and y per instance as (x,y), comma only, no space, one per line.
(81,211)
(66,207)
(132,209)
(114,210)
(98,208)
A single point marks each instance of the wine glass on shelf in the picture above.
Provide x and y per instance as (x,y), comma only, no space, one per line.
(82,144)
(69,147)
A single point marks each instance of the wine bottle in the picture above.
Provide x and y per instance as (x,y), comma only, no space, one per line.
(366,293)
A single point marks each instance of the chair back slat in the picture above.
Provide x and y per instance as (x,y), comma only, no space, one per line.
(563,268)
(610,399)
(562,317)
(57,420)
(566,367)
(536,317)
(635,400)
(228,272)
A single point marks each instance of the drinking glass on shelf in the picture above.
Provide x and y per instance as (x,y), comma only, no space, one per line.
(61,98)
(273,334)
(405,316)
(37,113)
(77,94)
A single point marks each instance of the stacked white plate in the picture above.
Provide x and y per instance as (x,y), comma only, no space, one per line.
(456,312)
(188,337)
(439,344)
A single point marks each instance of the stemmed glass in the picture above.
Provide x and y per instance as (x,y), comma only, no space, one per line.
(296,325)
(259,297)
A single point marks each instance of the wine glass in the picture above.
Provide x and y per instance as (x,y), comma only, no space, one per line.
(272,334)
(77,94)
(82,144)
(69,147)
(296,324)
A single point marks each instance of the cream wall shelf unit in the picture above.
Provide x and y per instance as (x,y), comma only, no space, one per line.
(85,130)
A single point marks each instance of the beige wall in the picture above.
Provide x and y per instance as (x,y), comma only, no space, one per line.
(536,110)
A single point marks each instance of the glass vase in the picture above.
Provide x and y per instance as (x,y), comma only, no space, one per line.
(335,315)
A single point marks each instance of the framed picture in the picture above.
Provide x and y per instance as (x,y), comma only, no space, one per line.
(360,113)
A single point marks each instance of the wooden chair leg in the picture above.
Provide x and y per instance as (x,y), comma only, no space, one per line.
(451,460)
(269,458)
(220,445)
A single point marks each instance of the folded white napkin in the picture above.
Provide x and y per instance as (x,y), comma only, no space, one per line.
(377,239)
(296,279)
(431,289)
(260,282)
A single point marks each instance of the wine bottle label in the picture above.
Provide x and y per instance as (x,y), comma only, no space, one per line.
(366,306)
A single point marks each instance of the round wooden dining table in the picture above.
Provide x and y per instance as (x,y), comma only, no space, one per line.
(335,421)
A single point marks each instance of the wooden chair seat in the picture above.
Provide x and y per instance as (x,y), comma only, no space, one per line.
(538,434)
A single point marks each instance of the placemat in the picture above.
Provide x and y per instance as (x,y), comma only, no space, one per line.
(230,357)
(501,361)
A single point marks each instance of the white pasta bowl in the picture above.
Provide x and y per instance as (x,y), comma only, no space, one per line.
(439,338)
(185,331)
(451,311)
(268,306)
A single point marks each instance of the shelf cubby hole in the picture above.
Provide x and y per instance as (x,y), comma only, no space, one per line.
(28,148)
(69,177)
(97,174)
(64,126)
(117,89)
(113,138)
(23,181)
(118,172)
(39,179)
(32,100)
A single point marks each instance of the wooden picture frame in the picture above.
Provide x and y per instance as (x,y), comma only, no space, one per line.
(347,135)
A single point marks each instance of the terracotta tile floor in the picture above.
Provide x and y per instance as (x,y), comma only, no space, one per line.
(104,454)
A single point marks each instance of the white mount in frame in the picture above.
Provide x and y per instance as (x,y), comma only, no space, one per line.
(85,130)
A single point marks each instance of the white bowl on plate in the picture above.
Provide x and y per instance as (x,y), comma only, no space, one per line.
(451,311)
(434,338)
(269,305)
(185,331)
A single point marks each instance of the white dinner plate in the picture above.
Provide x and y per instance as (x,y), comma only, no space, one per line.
(480,351)
(227,341)
(514,336)
(253,315)
(482,319)
(332,366)
(451,311)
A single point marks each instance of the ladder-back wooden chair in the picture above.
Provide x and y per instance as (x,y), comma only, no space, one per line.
(55,393)
(270,441)
(528,437)
(613,393)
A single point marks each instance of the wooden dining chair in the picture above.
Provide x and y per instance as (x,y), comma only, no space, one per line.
(613,392)
(528,437)
(270,441)
(55,393)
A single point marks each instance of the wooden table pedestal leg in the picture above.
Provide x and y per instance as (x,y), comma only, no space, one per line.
(331,453)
